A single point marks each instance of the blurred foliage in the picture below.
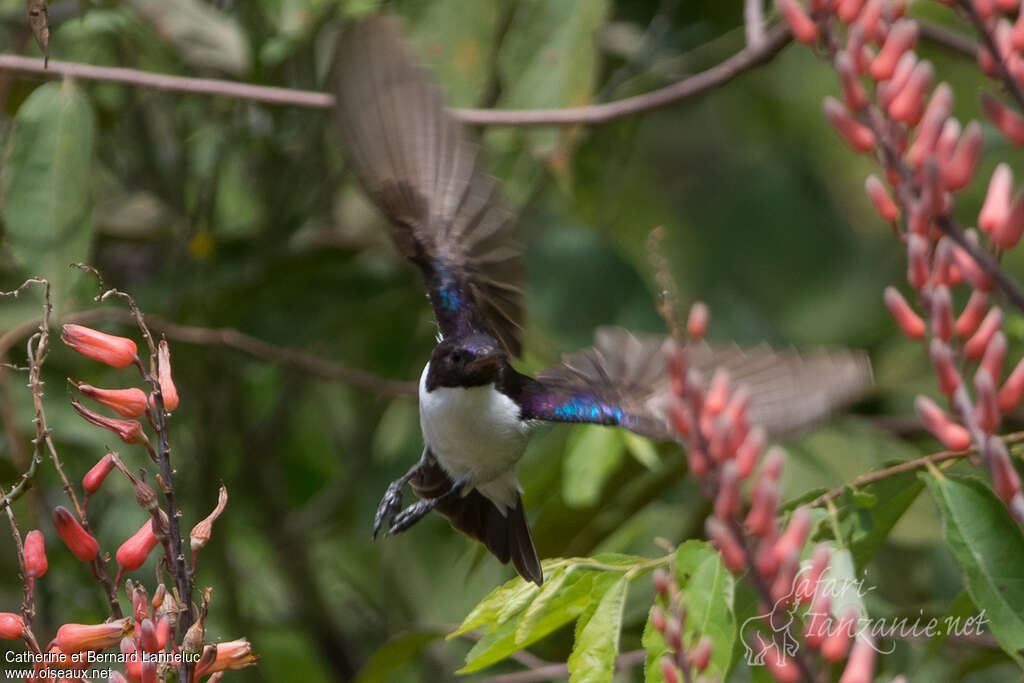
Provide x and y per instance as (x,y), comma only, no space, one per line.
(224,213)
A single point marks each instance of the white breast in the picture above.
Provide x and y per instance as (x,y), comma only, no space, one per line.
(475,432)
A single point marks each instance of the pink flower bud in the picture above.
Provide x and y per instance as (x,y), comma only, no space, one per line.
(943,272)
(675,361)
(884,204)
(972,314)
(163,632)
(674,634)
(838,640)
(942,313)
(727,502)
(908,321)
(779,664)
(945,367)
(718,392)
(129,431)
(658,619)
(952,435)
(760,520)
(1008,234)
(957,174)
(917,261)
(901,38)
(764,559)
(984,8)
(11,626)
(73,638)
(732,553)
(860,668)
(133,552)
(781,589)
(1013,388)
(945,146)
(661,582)
(697,321)
(807,585)
(1009,122)
(148,672)
(771,468)
(795,534)
(908,106)
(996,209)
(1005,480)
(118,352)
(970,270)
(995,356)
(701,655)
(986,411)
(935,115)
(167,388)
(124,402)
(849,10)
(668,670)
(147,636)
(856,135)
(93,479)
(697,461)
(870,19)
(818,622)
(888,89)
(133,663)
(81,544)
(976,345)
(749,451)
(804,30)
(853,91)
(35,554)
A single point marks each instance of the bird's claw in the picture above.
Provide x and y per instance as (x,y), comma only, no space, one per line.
(388,507)
(410,515)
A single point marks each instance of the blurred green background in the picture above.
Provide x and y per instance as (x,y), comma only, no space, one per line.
(217,212)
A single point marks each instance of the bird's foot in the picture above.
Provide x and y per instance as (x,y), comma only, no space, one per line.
(410,515)
(389,506)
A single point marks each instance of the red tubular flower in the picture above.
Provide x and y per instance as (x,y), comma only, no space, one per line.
(72,638)
(668,670)
(804,30)
(1009,123)
(870,20)
(969,319)
(200,534)
(129,431)
(81,544)
(795,534)
(147,636)
(133,552)
(1008,234)
(722,538)
(234,654)
(996,209)
(853,91)
(909,322)
(1012,389)
(976,345)
(952,435)
(781,667)
(942,313)
(986,412)
(837,642)
(957,173)
(133,663)
(718,392)
(1005,480)
(884,204)
(93,479)
(995,356)
(860,668)
(35,554)
(697,321)
(167,388)
(11,626)
(857,136)
(935,115)
(917,261)
(760,521)
(749,451)
(125,402)
(701,655)
(908,105)
(969,268)
(119,352)
(781,589)
(888,90)
(807,585)
(818,622)
(727,502)
(945,367)
(901,38)
(163,631)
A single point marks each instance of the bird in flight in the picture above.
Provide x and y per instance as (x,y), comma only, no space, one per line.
(425,174)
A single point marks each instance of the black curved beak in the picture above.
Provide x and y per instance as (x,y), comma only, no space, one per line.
(487,358)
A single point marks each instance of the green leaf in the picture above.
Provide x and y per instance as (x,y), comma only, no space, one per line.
(641,449)
(876,510)
(846,588)
(988,546)
(487,610)
(398,651)
(47,189)
(708,590)
(204,37)
(595,453)
(593,655)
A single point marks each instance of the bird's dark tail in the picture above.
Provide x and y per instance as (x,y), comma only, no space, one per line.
(506,536)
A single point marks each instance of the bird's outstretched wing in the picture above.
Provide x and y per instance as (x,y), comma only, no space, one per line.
(422,171)
(622,380)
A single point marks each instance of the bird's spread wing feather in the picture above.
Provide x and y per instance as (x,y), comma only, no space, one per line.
(622,380)
(422,171)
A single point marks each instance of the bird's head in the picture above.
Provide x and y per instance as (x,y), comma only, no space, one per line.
(467,362)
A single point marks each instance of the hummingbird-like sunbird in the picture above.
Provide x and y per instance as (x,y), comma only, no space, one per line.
(426,175)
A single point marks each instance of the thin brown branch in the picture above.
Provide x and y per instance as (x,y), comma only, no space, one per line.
(943,37)
(775,40)
(627,660)
(753,22)
(908,466)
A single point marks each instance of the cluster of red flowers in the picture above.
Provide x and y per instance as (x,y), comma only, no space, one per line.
(928,157)
(669,618)
(724,450)
(146,639)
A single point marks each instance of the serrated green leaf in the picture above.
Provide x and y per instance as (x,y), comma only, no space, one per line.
(871,525)
(487,610)
(594,454)
(493,647)
(593,655)
(47,188)
(708,590)
(988,546)
(399,650)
